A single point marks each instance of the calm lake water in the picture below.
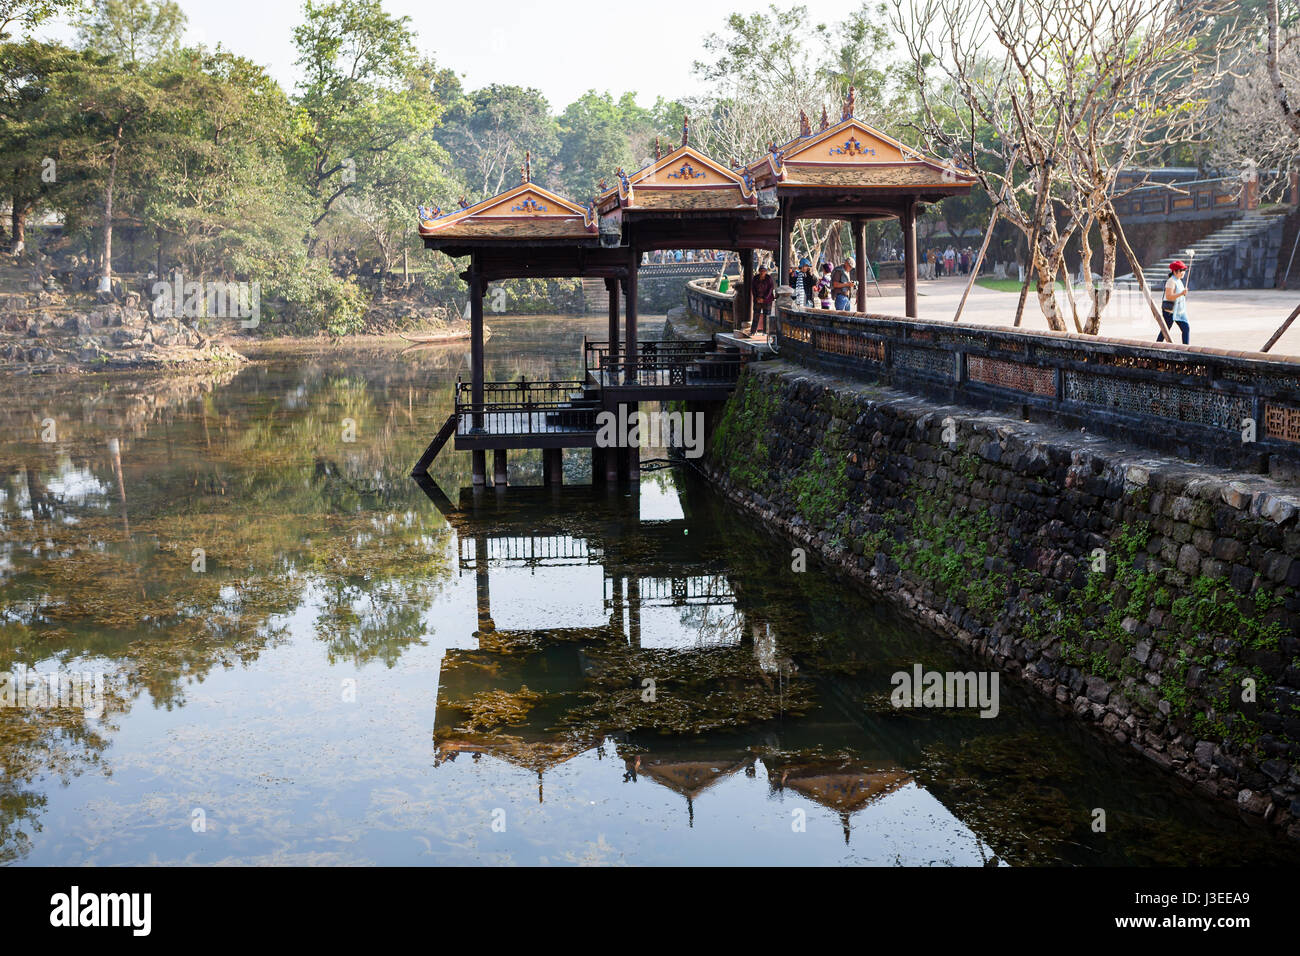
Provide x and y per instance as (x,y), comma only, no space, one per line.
(309,659)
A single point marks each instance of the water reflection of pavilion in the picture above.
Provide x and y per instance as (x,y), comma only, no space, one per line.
(515,695)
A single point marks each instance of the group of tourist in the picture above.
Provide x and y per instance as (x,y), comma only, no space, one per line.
(684,255)
(826,288)
(951,261)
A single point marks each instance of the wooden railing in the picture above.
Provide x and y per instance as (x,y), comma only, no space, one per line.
(1231,408)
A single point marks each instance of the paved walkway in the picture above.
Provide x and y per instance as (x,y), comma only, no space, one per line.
(1239,319)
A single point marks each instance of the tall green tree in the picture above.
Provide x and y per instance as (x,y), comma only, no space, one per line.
(360,99)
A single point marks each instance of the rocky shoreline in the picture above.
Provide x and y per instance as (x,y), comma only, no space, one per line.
(112,337)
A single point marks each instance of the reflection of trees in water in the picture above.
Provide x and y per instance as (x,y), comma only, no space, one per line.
(256,475)
(715,622)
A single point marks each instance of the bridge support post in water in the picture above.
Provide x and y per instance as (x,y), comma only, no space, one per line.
(611,466)
(499,468)
(553,466)
(908,222)
(634,452)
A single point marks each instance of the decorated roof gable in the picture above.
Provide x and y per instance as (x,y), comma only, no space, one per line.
(849,154)
(685,179)
(850,141)
(527,209)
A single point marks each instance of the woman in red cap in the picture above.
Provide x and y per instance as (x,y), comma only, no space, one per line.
(1174,306)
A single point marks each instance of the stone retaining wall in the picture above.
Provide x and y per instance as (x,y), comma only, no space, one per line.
(1156,600)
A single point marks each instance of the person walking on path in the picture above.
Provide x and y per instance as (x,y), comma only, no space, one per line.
(1174,306)
(764,293)
(842,283)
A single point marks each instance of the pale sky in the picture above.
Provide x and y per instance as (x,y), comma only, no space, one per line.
(559,49)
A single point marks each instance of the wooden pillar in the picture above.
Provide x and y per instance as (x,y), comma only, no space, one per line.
(744,300)
(785,258)
(860,252)
(629,348)
(634,452)
(477,289)
(499,468)
(553,466)
(611,465)
(909,258)
(611,285)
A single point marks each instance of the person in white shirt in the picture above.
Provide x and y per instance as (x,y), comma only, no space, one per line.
(1174,306)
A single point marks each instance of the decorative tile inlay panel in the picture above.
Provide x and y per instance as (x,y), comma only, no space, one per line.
(928,361)
(1282,422)
(1034,379)
(1194,405)
(856,346)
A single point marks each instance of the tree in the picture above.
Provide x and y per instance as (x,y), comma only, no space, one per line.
(360,98)
(489,130)
(1273,62)
(1077,91)
(134,33)
(30,138)
(32,13)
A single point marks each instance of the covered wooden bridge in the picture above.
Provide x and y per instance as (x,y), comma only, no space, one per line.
(683,200)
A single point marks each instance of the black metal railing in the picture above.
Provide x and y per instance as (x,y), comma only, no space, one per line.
(676,363)
(525,408)
(521,392)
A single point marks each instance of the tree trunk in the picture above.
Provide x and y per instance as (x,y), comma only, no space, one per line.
(18,222)
(1044,266)
(106,277)
(1100,296)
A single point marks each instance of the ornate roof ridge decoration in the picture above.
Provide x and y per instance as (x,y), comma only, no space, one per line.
(659,153)
(429,213)
(848,105)
(526,171)
(686,171)
(826,120)
(464,203)
(686,129)
(805,128)
(852,147)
